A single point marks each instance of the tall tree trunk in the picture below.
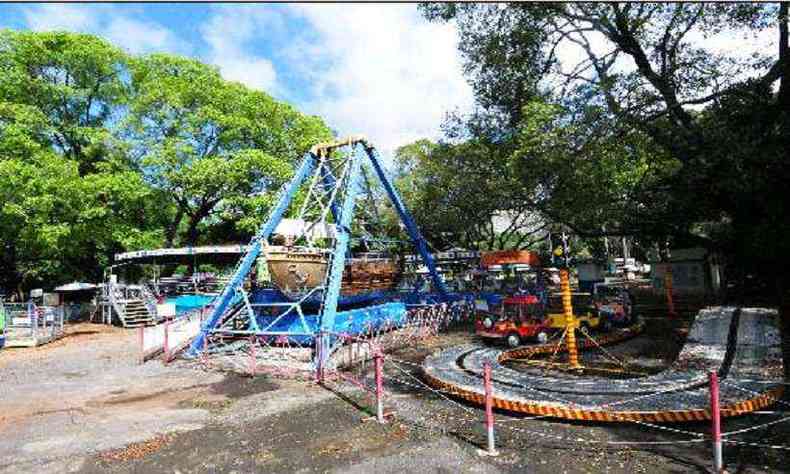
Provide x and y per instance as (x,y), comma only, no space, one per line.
(192,236)
(192,229)
(784,57)
(172,229)
(783,103)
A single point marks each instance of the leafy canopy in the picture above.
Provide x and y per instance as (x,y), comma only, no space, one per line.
(211,144)
(644,91)
(102,152)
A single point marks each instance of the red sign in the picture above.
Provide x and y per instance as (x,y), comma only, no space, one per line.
(510,257)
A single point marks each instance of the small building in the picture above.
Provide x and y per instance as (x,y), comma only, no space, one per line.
(78,299)
(694,271)
(589,274)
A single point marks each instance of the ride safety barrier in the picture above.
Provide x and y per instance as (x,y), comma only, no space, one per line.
(169,337)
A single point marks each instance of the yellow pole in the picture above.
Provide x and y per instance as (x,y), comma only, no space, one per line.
(570,321)
(668,288)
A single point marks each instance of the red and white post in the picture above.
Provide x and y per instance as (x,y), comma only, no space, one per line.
(715,418)
(379,363)
(489,391)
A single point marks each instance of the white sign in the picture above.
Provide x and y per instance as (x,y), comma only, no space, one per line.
(166,310)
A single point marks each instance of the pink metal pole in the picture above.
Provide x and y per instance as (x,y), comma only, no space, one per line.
(253,358)
(204,355)
(489,409)
(715,418)
(318,376)
(140,341)
(166,345)
(380,388)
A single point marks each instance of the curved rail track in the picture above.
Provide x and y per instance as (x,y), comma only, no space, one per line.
(737,343)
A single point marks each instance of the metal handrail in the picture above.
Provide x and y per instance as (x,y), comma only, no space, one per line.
(149,300)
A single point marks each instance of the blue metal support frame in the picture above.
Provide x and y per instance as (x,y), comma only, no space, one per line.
(253,250)
(411,227)
(329,182)
(343,216)
(342,239)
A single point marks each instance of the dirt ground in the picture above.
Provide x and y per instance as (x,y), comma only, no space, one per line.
(84,404)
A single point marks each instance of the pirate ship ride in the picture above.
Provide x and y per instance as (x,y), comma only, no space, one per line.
(321,289)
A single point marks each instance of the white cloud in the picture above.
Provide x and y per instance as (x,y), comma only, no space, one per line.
(255,72)
(227,33)
(139,37)
(106,21)
(381,70)
(49,17)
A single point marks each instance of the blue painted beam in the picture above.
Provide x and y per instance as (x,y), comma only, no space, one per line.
(342,238)
(330,182)
(253,250)
(411,227)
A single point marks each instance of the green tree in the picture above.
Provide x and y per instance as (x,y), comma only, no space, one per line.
(721,122)
(219,149)
(38,197)
(641,74)
(74,80)
(590,174)
(466,195)
(102,153)
(69,197)
(23,130)
(56,225)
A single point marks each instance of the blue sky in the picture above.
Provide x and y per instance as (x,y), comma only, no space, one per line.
(378,70)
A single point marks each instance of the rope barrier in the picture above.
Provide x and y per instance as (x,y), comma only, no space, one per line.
(756,427)
(431,389)
(639,422)
(757,445)
(427,322)
(605,442)
(610,356)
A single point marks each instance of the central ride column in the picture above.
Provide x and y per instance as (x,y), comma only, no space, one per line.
(338,262)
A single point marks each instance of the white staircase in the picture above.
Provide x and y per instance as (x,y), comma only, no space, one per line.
(136,314)
(132,305)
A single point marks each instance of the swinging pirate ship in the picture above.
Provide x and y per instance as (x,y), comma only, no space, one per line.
(328,290)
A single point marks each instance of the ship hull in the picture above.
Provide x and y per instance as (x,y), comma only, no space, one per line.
(297,273)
